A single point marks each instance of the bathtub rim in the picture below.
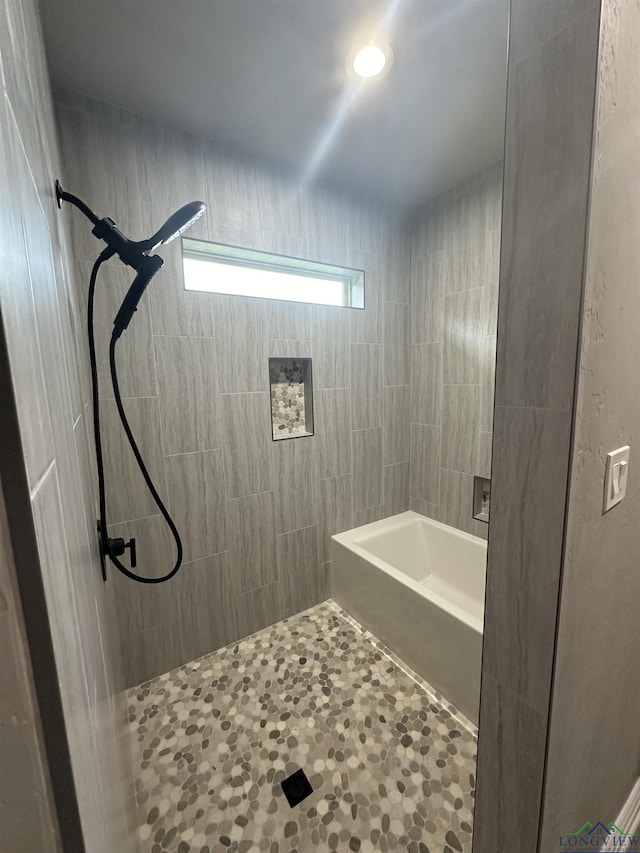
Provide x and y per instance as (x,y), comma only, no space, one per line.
(349,539)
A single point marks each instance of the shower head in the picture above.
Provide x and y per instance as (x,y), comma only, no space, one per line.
(176,224)
(132,252)
(148,265)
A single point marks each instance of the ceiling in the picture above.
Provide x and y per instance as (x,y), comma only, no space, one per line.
(270,78)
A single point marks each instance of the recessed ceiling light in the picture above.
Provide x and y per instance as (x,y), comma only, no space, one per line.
(369,61)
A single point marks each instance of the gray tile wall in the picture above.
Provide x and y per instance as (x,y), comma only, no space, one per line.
(49,501)
(29,820)
(550,99)
(455,244)
(256,515)
(592,732)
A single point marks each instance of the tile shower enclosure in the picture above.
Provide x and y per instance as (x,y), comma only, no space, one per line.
(401,401)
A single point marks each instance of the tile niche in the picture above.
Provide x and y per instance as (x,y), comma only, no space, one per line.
(291,397)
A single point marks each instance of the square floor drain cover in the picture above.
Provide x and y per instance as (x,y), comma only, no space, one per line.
(296,788)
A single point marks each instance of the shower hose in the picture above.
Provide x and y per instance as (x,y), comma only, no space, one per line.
(105,543)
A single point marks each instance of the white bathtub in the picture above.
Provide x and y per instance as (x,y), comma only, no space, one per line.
(418,585)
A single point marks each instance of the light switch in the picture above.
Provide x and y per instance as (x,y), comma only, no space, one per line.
(615,480)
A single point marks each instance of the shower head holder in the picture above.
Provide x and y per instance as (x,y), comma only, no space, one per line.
(129,251)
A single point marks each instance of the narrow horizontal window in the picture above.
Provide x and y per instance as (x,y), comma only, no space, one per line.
(215,268)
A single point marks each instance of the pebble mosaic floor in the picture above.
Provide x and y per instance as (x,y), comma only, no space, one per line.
(391,763)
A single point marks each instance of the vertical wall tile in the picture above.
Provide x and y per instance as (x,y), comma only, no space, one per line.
(366,385)
(429,222)
(246,430)
(494,198)
(27,89)
(170,164)
(491,285)
(241,344)
(367,516)
(466,240)
(424,508)
(298,568)
(365,226)
(294,466)
(396,424)
(396,488)
(330,338)
(127,493)
(544,243)
(461,414)
(139,607)
(427,299)
(367,468)
(523,664)
(334,511)
(100,154)
(332,439)
(174,309)
(150,652)
(397,263)
(282,209)
(487,381)
(257,608)
(366,323)
(195,483)
(231,188)
(483,465)
(396,343)
(325,580)
(290,245)
(425,462)
(507,720)
(460,364)
(134,354)
(327,236)
(426,383)
(61,597)
(204,606)
(252,541)
(288,320)
(21,328)
(187,394)
(282,348)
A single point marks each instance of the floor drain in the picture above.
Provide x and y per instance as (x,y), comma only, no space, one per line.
(296,788)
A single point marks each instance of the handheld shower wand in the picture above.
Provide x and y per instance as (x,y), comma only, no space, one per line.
(136,255)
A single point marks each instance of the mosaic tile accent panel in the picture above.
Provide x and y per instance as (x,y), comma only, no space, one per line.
(391,763)
(291,397)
